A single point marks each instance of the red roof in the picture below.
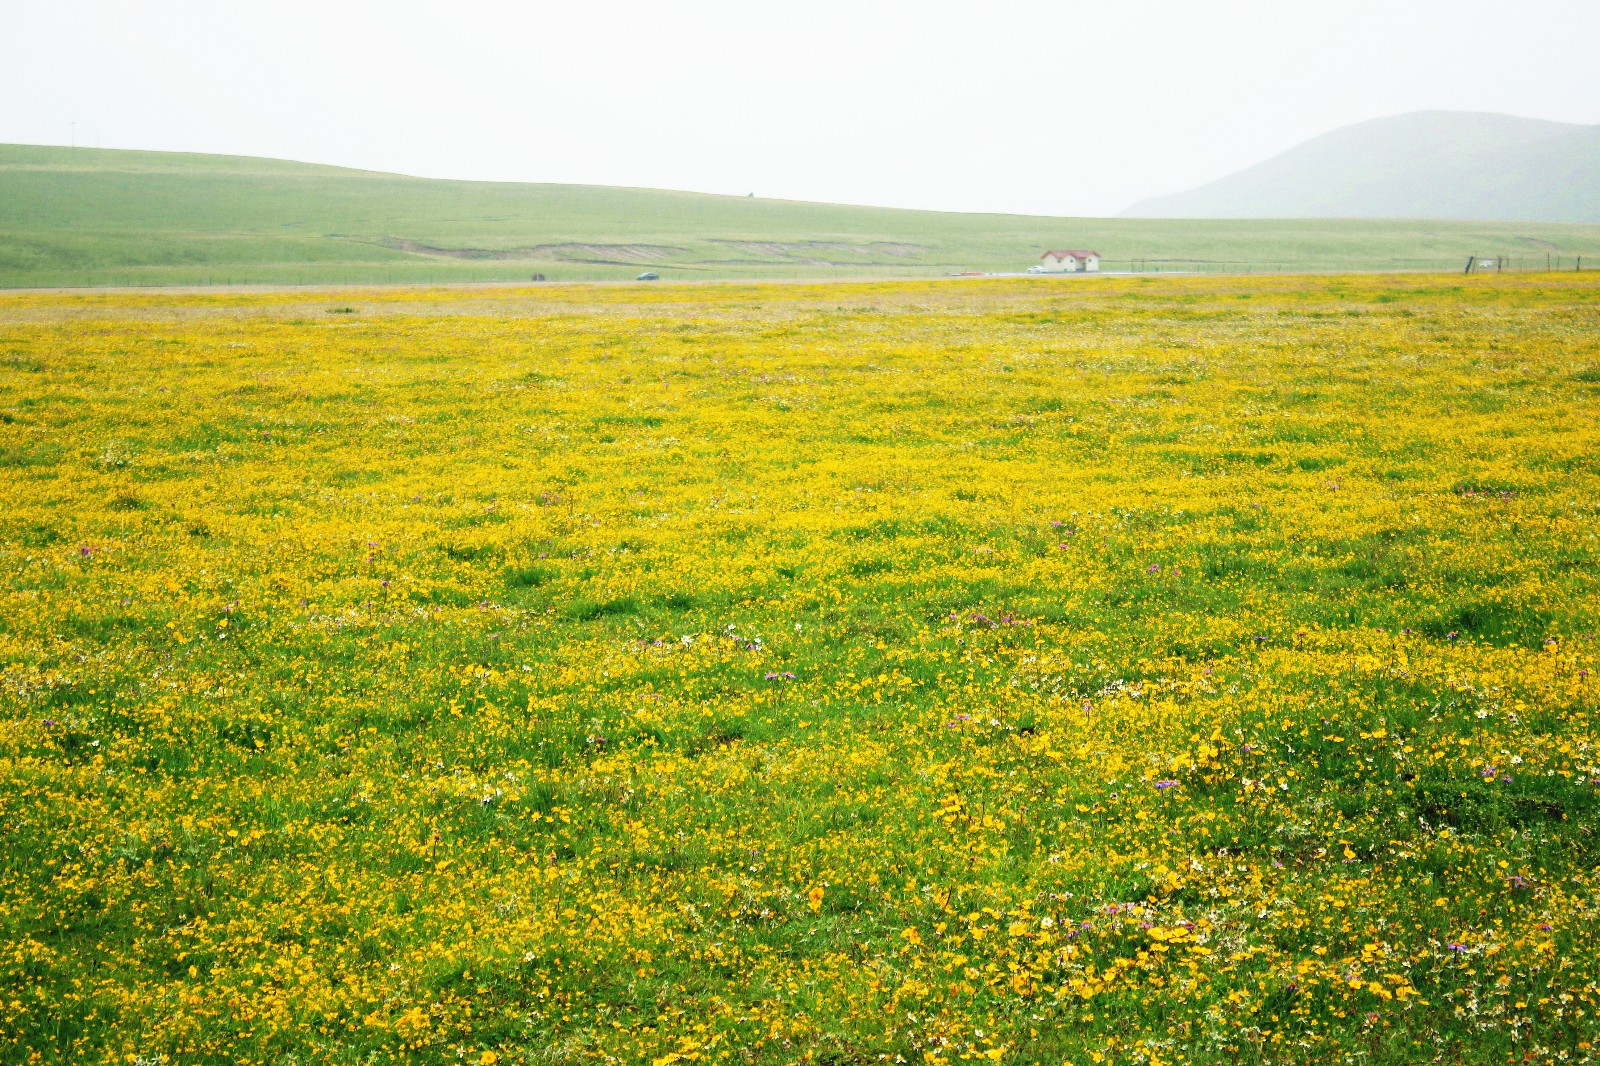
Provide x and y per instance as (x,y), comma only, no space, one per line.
(1076,253)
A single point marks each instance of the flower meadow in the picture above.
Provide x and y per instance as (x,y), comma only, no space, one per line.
(1041,671)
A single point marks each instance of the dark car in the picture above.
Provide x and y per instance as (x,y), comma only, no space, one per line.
(648,275)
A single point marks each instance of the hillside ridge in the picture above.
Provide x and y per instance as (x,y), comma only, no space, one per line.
(1421,164)
(83,216)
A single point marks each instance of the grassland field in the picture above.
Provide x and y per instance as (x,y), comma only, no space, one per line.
(1097,671)
(89,217)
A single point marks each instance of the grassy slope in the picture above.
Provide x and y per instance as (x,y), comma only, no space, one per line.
(86,216)
(1437,164)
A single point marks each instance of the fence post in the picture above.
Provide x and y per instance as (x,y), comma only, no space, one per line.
(1470,260)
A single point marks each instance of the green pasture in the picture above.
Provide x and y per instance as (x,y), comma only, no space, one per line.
(78,216)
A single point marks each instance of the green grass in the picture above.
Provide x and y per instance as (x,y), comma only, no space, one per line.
(101,217)
(1022,672)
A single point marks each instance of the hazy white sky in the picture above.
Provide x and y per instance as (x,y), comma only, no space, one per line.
(1058,107)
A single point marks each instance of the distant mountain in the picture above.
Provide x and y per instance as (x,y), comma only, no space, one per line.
(1426,164)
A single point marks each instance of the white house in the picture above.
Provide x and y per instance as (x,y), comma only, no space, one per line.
(1069,260)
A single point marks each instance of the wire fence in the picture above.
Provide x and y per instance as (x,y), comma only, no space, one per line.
(1469,264)
(1523,264)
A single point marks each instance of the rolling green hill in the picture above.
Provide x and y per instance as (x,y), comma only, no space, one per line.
(1427,164)
(93,217)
